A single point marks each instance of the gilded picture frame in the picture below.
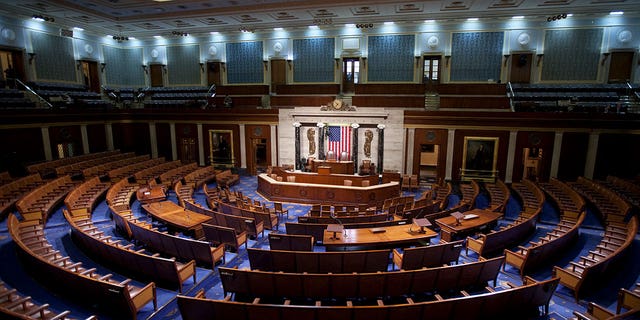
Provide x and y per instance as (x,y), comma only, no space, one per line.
(480,158)
(221,151)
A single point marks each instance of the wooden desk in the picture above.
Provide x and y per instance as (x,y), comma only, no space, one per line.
(451,231)
(147,195)
(177,217)
(343,167)
(309,192)
(364,238)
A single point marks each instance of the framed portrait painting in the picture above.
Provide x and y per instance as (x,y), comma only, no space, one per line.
(221,148)
(480,158)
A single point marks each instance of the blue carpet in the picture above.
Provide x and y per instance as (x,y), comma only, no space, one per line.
(562,304)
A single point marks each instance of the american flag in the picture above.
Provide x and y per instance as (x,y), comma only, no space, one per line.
(340,140)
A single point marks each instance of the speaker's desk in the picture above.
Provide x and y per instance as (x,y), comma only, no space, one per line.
(341,167)
(365,238)
(476,220)
(177,217)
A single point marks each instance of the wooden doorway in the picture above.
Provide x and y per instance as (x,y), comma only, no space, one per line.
(532,163)
(520,68)
(278,73)
(214,74)
(429,154)
(90,76)
(156,75)
(188,150)
(258,158)
(620,66)
(431,71)
(350,74)
(13,67)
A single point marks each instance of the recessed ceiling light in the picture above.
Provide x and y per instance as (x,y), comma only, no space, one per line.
(569,14)
(429,21)
(517,17)
(314,27)
(158,37)
(472,19)
(388,23)
(350,25)
(277,29)
(616,13)
(78,29)
(214,32)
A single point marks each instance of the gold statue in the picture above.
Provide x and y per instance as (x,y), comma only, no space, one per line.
(368,135)
(311,135)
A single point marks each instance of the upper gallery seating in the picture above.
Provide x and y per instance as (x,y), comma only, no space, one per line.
(65,95)
(176,97)
(568,97)
(14,99)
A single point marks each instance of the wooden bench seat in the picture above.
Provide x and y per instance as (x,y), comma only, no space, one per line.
(499,304)
(226,178)
(291,242)
(529,258)
(317,229)
(319,262)
(260,284)
(430,256)
(496,241)
(184,249)
(590,271)
(117,297)
(219,235)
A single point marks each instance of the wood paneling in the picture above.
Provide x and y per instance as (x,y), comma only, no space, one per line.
(131,137)
(573,155)
(242,90)
(473,89)
(470,102)
(97,138)
(278,73)
(618,155)
(620,66)
(388,101)
(390,88)
(163,137)
(301,101)
(20,147)
(66,135)
(317,89)
(430,136)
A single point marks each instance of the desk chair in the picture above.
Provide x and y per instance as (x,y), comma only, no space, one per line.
(277,206)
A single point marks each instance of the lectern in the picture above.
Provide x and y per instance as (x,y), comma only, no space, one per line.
(421,223)
(335,228)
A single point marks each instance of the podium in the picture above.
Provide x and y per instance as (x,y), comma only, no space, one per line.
(335,228)
(324,170)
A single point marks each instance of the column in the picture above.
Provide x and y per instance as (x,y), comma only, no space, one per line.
(511,155)
(320,141)
(354,148)
(296,126)
(174,147)
(380,147)
(153,140)
(592,152)
(108,130)
(46,143)
(555,157)
(200,144)
(274,146)
(451,135)
(243,148)
(411,140)
(85,139)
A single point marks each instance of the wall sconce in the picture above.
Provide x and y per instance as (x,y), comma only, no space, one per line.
(32,55)
(364,61)
(605,56)
(540,56)
(102,65)
(266,65)
(144,67)
(417,61)
(78,64)
(506,59)
(337,62)
(446,60)
(164,68)
(224,66)
(289,62)
(202,66)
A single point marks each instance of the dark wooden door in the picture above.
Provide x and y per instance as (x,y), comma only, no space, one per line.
(620,66)
(214,76)
(156,76)
(90,77)
(520,68)
(278,73)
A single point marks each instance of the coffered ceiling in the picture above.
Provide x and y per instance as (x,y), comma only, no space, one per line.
(146,18)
